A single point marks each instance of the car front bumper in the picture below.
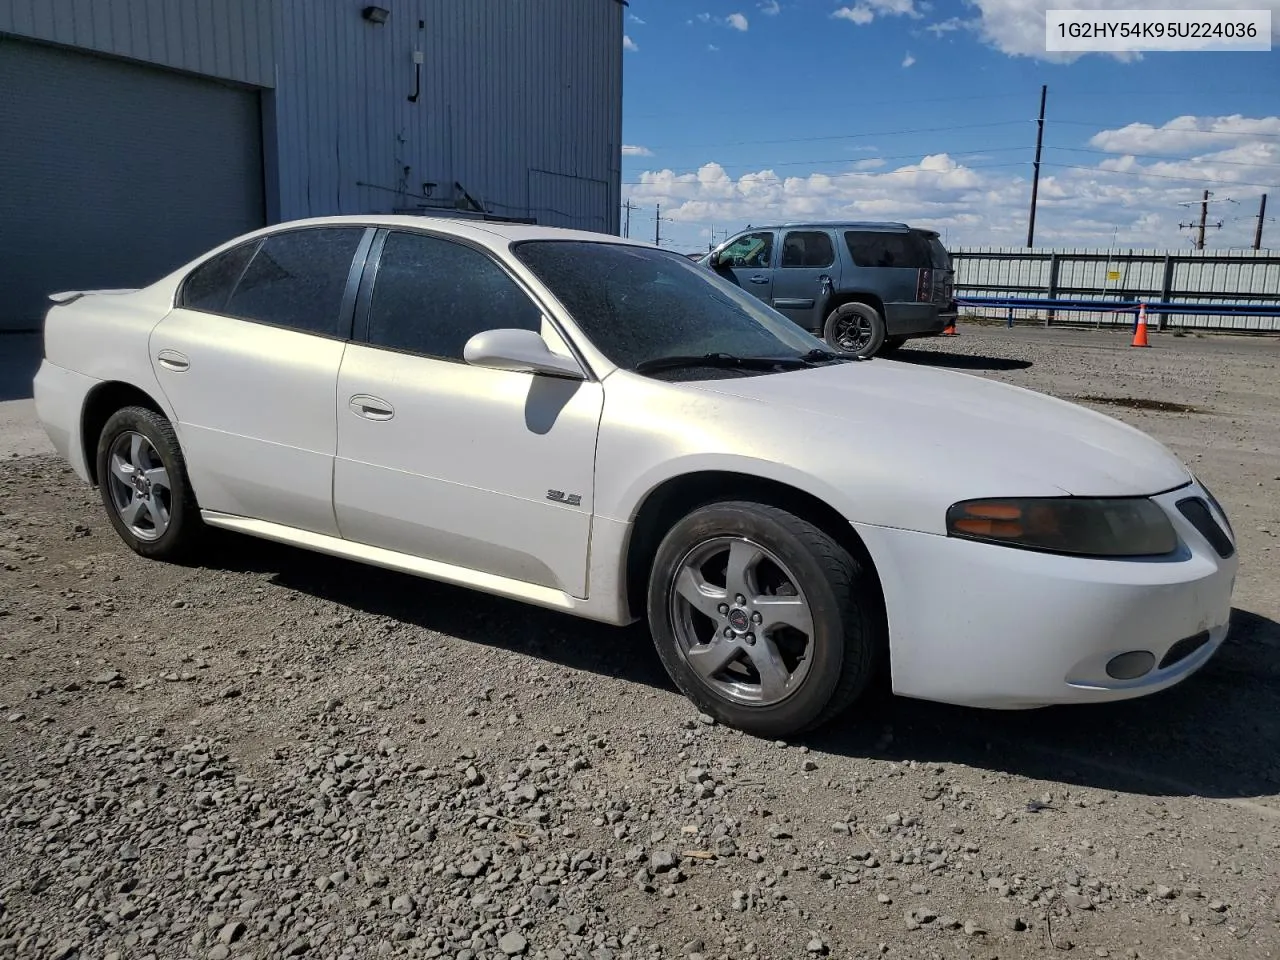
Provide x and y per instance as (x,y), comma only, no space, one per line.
(990,626)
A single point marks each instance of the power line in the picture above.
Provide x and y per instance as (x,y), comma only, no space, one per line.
(1207,133)
(898,101)
(1158,176)
(839,136)
(918,155)
(1158,156)
(831,176)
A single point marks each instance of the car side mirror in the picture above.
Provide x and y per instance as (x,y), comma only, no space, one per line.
(521,351)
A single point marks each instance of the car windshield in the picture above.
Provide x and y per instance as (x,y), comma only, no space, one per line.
(641,304)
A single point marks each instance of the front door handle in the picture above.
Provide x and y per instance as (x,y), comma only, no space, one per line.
(371,408)
(758,279)
(173,360)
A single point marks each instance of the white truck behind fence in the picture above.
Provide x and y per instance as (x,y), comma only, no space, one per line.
(1211,278)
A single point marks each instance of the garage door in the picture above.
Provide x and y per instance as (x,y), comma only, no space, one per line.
(114,173)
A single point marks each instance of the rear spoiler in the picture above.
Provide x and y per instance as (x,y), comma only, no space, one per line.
(70,296)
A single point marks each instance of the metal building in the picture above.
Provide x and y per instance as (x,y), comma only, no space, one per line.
(136,133)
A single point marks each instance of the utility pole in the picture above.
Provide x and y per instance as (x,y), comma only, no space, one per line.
(1204,216)
(657,224)
(1035,178)
(1262,213)
(626,226)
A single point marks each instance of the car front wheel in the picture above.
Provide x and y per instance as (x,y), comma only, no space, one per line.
(761,618)
(142,478)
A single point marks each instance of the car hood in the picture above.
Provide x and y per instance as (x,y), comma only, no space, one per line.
(966,418)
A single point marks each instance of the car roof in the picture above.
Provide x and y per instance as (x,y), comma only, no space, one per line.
(483,230)
(888,225)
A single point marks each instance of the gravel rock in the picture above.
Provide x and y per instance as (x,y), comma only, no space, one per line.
(512,944)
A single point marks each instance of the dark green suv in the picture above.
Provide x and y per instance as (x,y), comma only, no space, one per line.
(865,288)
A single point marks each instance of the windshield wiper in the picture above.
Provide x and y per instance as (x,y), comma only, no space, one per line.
(721,360)
(826,356)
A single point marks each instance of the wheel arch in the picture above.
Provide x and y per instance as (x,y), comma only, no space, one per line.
(676,496)
(100,403)
(838,300)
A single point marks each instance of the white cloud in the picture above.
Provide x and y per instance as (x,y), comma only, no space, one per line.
(951,25)
(858,15)
(1184,134)
(713,48)
(1016,27)
(628,43)
(704,17)
(865,11)
(770,8)
(737,21)
(908,60)
(630,150)
(634,19)
(1085,200)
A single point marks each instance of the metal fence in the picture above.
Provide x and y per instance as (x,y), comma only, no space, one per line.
(1194,277)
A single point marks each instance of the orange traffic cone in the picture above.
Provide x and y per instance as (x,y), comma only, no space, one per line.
(1140,335)
(949,330)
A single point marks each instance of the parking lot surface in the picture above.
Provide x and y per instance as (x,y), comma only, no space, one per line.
(282,754)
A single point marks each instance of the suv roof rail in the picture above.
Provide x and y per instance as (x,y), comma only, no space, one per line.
(893,224)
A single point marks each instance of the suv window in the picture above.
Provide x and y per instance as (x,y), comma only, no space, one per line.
(209,285)
(432,295)
(298,280)
(808,248)
(875,249)
(749,250)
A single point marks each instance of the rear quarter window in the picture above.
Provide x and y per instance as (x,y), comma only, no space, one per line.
(209,286)
(870,248)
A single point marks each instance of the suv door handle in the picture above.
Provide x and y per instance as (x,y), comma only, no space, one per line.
(173,360)
(371,408)
(758,279)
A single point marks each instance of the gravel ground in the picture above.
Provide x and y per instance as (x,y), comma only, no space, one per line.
(281,754)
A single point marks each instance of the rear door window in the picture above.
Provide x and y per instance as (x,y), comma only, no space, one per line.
(808,248)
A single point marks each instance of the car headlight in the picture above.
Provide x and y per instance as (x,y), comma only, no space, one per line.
(1128,527)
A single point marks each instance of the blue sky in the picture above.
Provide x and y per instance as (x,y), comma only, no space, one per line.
(924,111)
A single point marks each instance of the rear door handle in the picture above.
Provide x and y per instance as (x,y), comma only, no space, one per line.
(758,279)
(173,360)
(371,408)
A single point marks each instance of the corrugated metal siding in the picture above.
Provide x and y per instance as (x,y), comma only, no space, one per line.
(227,39)
(114,173)
(520,102)
(1195,276)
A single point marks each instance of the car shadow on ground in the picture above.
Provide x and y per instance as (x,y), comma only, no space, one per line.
(958,361)
(1217,734)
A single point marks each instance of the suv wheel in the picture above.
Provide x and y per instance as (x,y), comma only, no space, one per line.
(760,618)
(142,478)
(856,329)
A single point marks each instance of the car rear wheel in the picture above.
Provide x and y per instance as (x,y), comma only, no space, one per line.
(856,329)
(142,478)
(760,618)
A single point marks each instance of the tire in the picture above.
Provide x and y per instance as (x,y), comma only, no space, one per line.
(793,557)
(157,518)
(891,345)
(854,329)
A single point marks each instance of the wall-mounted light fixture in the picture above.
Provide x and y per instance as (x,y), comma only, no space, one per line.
(375,14)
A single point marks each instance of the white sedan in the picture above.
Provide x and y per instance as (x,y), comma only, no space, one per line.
(601,427)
